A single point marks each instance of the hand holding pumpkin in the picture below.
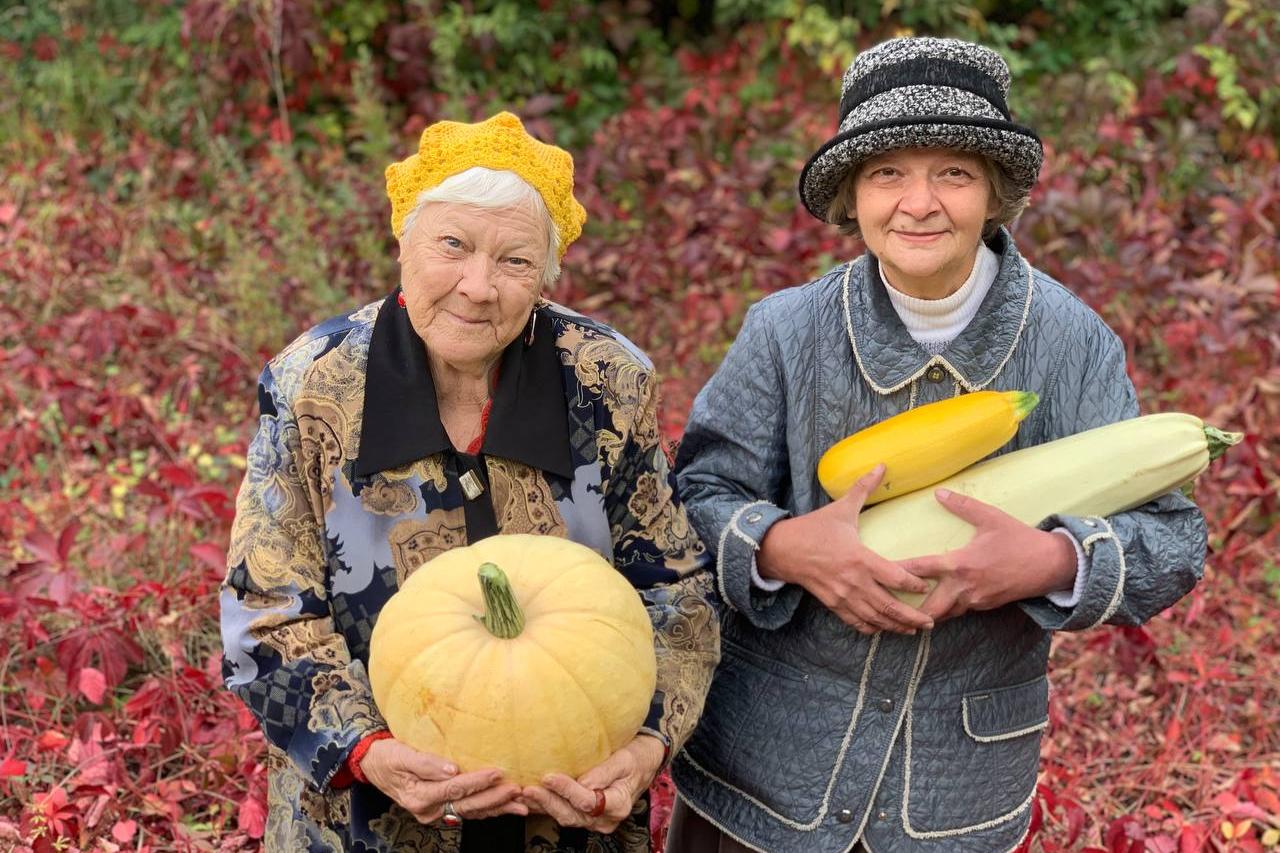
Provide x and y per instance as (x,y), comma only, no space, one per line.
(422,784)
(623,777)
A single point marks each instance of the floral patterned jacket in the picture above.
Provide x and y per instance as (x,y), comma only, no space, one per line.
(352,484)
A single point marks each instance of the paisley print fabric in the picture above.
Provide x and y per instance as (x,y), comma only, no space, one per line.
(327,529)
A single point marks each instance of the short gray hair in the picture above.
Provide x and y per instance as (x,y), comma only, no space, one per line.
(1010,201)
(490,188)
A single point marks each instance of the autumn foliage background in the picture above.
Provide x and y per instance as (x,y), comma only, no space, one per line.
(185,186)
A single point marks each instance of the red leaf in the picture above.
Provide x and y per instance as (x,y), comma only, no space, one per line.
(93,684)
(66,539)
(11,767)
(177,475)
(252,817)
(52,740)
(212,555)
(105,648)
(124,830)
(43,545)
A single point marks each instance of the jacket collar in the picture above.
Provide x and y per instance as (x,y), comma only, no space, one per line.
(401,419)
(890,359)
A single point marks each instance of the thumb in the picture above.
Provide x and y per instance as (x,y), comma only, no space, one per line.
(856,497)
(606,773)
(424,765)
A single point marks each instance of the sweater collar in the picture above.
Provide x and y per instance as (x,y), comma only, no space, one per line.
(890,359)
(401,419)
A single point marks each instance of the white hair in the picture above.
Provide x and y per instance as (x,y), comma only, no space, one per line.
(490,188)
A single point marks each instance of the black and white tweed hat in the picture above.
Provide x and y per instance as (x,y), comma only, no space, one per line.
(922,92)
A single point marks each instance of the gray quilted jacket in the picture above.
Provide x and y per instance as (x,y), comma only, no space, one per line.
(815,737)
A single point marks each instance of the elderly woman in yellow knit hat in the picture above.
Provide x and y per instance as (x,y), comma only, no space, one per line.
(462,405)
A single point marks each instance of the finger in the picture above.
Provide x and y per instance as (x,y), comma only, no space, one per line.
(424,765)
(941,603)
(559,809)
(462,786)
(902,576)
(864,486)
(574,792)
(970,509)
(613,770)
(932,566)
(858,624)
(897,616)
(490,801)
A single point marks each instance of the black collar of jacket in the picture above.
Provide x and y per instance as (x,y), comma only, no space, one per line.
(890,358)
(401,419)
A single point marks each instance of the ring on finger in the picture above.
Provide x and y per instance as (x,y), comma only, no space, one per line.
(451,817)
(598,808)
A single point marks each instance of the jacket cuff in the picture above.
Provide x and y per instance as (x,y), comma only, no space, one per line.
(1071,597)
(1103,571)
(350,771)
(653,732)
(736,565)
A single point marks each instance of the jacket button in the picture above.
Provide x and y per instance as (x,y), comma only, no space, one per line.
(753,517)
(882,815)
(844,816)
(936,374)
(885,705)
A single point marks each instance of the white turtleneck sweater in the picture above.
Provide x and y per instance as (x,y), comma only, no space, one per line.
(934,324)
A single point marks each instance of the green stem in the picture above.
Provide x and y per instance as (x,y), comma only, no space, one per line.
(1026,401)
(1219,441)
(502,614)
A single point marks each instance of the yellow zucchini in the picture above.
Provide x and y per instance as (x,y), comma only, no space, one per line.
(925,445)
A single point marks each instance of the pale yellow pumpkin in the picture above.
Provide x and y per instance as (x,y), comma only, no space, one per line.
(542,662)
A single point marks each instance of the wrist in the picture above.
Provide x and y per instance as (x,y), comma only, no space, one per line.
(1061,564)
(771,562)
(650,753)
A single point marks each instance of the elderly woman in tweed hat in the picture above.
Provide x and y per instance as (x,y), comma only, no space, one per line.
(462,405)
(840,718)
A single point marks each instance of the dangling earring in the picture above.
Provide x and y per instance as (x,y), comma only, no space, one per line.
(533,320)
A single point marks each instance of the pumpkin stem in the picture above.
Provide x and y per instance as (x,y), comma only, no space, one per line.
(502,614)
(1220,441)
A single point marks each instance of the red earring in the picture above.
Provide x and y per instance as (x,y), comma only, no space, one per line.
(400,299)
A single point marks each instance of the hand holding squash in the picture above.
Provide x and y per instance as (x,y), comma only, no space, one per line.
(621,779)
(1005,561)
(422,784)
(823,552)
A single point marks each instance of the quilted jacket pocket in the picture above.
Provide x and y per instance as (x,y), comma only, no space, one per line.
(755,736)
(1006,712)
(973,766)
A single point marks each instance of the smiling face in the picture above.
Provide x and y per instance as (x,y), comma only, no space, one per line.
(470,277)
(921,212)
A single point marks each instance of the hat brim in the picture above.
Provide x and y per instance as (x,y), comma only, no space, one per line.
(1015,148)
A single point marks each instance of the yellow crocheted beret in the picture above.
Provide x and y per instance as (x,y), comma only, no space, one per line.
(448,148)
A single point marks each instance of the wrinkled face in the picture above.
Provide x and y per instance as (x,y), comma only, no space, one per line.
(470,277)
(921,212)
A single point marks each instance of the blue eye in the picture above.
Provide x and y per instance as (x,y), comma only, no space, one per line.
(451,242)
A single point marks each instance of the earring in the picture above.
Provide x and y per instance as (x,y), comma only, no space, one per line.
(533,320)
(400,299)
